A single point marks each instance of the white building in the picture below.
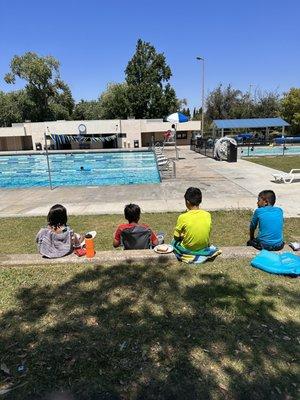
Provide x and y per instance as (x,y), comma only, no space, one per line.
(120,134)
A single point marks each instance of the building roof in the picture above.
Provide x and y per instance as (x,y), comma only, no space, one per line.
(249,123)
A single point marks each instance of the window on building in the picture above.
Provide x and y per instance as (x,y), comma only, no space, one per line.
(181,135)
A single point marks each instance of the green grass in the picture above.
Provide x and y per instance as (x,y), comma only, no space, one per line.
(220,331)
(285,163)
(229,228)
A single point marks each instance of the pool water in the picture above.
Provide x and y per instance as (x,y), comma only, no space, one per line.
(270,151)
(80,169)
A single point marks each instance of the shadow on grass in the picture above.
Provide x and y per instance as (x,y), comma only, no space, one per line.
(151,332)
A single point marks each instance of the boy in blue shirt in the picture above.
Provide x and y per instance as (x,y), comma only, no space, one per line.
(269,220)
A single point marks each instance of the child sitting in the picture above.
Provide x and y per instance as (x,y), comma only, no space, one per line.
(192,231)
(57,239)
(133,235)
(269,220)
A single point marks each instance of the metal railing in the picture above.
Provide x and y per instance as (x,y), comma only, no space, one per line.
(203,146)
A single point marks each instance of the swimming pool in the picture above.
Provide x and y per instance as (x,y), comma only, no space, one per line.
(79,169)
(270,151)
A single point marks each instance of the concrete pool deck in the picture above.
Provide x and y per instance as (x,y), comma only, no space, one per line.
(224,186)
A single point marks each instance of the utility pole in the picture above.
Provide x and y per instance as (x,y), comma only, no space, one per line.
(202,95)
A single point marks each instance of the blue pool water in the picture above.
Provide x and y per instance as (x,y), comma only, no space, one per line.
(80,169)
(270,151)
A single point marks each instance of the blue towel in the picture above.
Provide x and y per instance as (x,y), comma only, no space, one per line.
(274,263)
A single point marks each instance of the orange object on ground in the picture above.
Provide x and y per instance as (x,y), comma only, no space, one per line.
(89,246)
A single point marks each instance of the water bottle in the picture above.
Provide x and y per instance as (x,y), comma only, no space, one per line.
(161,237)
(89,246)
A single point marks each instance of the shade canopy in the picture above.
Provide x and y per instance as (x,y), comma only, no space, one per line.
(177,117)
(249,123)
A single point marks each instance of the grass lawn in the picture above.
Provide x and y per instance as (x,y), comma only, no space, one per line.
(229,228)
(285,163)
(220,331)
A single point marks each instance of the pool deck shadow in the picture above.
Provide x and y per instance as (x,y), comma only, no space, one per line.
(224,186)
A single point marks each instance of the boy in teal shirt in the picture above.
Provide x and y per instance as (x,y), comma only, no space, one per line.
(269,220)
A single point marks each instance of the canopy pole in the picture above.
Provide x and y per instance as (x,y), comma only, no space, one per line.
(48,163)
(175,138)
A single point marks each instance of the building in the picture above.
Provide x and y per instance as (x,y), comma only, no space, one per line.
(94,134)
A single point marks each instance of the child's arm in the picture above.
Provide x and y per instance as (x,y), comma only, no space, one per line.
(251,233)
(153,239)
(117,237)
(178,231)
(253,225)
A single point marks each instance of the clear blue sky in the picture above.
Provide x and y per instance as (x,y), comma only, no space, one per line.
(243,42)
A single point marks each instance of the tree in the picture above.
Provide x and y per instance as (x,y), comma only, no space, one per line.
(148,91)
(220,103)
(197,114)
(87,110)
(291,109)
(232,103)
(267,105)
(50,96)
(14,107)
(114,102)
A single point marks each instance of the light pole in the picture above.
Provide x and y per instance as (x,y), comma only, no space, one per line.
(202,119)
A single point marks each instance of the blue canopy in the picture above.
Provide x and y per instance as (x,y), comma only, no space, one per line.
(249,123)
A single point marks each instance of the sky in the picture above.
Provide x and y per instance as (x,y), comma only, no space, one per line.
(243,42)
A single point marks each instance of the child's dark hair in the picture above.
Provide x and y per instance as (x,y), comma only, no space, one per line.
(57,216)
(193,196)
(132,213)
(269,196)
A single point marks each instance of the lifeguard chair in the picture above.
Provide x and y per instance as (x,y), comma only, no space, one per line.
(170,139)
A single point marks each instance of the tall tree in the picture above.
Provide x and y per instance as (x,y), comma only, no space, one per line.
(220,103)
(267,105)
(147,75)
(114,102)
(291,109)
(50,96)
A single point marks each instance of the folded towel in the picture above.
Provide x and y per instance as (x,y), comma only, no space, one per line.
(194,257)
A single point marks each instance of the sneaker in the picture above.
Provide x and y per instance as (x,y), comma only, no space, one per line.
(295,246)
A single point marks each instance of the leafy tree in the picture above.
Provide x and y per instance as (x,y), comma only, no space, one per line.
(51,98)
(14,107)
(114,102)
(148,91)
(9,111)
(220,103)
(291,109)
(197,114)
(87,110)
(267,105)
(232,103)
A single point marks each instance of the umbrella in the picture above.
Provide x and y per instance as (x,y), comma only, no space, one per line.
(177,117)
